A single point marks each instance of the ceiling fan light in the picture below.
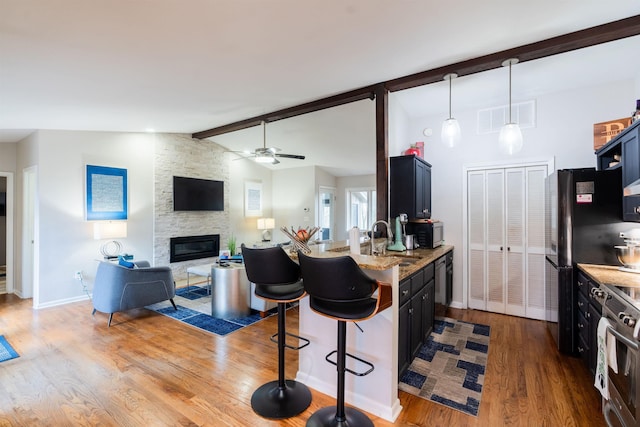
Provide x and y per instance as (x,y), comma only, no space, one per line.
(510,138)
(261,158)
(450,132)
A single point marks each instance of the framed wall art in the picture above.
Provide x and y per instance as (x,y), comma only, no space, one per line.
(252,198)
(106,193)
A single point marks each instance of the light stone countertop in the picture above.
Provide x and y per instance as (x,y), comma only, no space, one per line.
(611,275)
(409,261)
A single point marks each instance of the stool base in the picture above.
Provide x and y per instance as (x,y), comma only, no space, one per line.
(326,417)
(271,401)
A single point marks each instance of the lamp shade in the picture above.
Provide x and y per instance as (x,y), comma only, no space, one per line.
(266,223)
(109,229)
(510,138)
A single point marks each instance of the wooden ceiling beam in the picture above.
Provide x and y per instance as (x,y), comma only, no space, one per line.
(320,104)
(605,33)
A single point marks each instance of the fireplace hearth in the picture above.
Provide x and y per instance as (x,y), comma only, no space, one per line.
(194,247)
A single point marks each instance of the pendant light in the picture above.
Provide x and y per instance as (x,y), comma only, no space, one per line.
(510,135)
(450,127)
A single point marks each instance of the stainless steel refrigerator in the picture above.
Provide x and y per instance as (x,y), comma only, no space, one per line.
(583,225)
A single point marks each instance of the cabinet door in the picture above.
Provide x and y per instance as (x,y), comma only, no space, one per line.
(417,321)
(630,173)
(428,310)
(404,331)
(423,190)
(594,318)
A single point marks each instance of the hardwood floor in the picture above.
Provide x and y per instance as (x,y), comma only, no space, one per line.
(150,370)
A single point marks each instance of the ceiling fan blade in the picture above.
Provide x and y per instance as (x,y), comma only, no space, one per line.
(291,156)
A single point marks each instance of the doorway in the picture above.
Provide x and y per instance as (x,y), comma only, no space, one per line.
(30,285)
(326,213)
(6,232)
(505,243)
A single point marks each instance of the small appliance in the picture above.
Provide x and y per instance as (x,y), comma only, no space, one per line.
(428,233)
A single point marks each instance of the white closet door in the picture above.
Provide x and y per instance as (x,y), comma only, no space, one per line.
(515,241)
(506,240)
(535,301)
(476,227)
(495,241)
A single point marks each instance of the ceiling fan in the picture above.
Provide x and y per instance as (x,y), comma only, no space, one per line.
(269,154)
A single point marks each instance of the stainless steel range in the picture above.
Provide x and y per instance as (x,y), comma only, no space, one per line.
(621,306)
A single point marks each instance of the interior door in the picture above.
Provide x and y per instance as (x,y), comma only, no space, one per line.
(506,240)
(476,232)
(326,213)
(495,245)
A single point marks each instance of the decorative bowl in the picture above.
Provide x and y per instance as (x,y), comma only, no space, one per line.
(629,256)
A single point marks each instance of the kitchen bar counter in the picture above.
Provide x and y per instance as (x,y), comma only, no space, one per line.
(374,340)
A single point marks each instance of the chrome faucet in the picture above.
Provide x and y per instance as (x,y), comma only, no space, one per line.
(373,227)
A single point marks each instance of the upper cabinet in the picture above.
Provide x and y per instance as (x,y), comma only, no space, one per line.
(409,187)
(624,150)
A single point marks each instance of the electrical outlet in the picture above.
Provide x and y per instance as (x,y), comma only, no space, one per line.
(78,275)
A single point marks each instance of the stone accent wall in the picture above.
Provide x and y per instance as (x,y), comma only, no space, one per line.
(180,155)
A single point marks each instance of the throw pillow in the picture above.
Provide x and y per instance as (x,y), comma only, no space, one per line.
(123,262)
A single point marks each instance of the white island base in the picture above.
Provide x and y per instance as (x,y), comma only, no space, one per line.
(377,343)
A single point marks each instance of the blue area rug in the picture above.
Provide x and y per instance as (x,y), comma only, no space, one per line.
(6,351)
(194,308)
(450,367)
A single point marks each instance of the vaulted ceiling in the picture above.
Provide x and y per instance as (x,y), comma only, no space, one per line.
(176,66)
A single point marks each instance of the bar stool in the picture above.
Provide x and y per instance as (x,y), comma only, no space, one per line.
(277,279)
(340,290)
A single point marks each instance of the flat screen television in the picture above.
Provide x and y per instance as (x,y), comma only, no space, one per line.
(194,194)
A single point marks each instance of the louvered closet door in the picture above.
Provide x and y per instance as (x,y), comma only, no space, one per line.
(476,226)
(506,240)
(514,242)
(535,264)
(495,241)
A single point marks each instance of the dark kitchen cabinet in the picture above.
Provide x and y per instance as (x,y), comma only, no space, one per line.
(625,149)
(630,145)
(409,187)
(589,312)
(449,291)
(416,315)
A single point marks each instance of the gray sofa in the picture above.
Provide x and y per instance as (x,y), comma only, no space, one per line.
(119,288)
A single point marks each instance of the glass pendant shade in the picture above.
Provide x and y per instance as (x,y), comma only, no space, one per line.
(510,138)
(450,127)
(450,132)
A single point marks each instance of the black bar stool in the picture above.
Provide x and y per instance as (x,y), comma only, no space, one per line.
(277,279)
(340,290)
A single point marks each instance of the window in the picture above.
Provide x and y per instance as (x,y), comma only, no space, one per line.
(361,208)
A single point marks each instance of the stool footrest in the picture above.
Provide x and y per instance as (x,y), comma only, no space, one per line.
(359,374)
(274,338)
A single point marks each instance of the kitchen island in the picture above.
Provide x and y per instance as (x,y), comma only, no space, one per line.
(374,340)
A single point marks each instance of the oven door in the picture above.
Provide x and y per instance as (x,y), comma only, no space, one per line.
(623,385)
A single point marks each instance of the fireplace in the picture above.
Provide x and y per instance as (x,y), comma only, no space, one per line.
(194,247)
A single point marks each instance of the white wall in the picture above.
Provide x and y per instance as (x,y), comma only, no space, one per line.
(66,240)
(293,199)
(564,131)
(241,171)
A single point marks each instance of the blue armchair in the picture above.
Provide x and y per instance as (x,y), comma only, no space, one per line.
(118,288)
